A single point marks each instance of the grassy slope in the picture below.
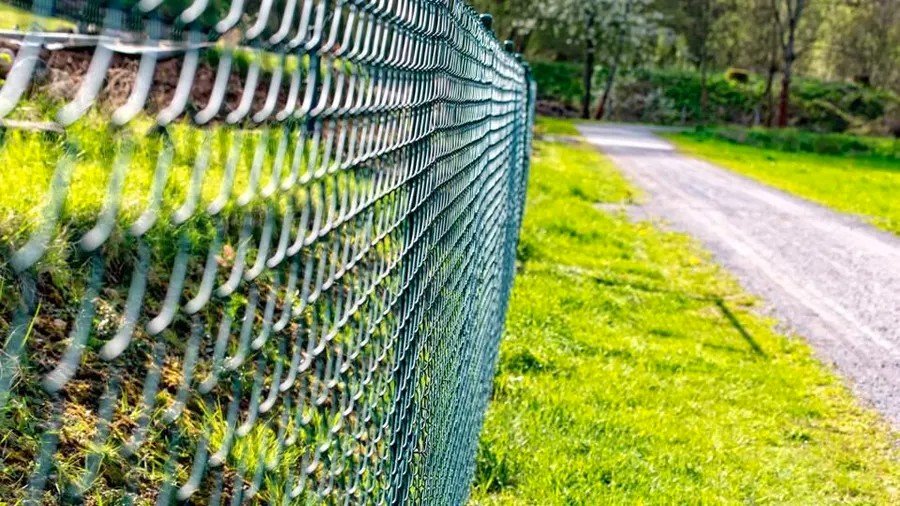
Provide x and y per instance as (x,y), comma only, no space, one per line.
(867,186)
(634,371)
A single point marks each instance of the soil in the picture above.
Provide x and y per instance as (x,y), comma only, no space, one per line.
(61,72)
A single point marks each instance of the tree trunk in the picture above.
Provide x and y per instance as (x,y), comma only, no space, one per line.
(704,92)
(784,101)
(588,68)
(611,77)
(789,56)
(767,93)
(786,75)
(523,44)
(588,79)
(607,89)
(703,27)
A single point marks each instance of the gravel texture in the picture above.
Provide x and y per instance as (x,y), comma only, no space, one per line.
(827,276)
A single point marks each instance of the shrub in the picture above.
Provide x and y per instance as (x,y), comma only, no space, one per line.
(794,140)
(672,95)
(558,81)
(678,93)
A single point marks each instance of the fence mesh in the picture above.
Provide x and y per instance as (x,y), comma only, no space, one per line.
(253,250)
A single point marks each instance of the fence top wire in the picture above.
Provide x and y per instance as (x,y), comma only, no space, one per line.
(262,249)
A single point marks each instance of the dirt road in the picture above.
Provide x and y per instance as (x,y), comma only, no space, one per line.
(828,276)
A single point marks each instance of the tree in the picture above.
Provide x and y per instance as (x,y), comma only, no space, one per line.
(776,39)
(580,23)
(515,20)
(861,40)
(760,49)
(787,15)
(590,54)
(608,31)
(621,24)
(706,15)
(700,23)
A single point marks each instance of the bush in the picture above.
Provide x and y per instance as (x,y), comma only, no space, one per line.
(735,96)
(635,99)
(794,140)
(678,93)
(558,81)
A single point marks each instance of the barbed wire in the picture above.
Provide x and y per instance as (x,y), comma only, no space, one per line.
(302,300)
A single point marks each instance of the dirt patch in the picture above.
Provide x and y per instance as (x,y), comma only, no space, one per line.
(60,73)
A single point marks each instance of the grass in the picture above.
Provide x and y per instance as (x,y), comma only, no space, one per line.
(547,125)
(862,185)
(14,17)
(798,140)
(634,371)
(30,159)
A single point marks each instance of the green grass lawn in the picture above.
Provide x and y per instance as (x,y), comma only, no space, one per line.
(634,371)
(865,185)
(29,159)
(12,17)
(546,125)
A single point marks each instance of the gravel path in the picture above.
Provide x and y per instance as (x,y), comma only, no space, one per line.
(828,276)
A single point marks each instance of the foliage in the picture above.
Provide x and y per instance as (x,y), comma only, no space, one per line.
(672,96)
(796,140)
(613,32)
(834,41)
(622,380)
(558,81)
(515,20)
(866,184)
(727,100)
(860,41)
(609,26)
(545,125)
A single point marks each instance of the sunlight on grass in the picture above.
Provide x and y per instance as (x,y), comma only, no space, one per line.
(14,17)
(31,158)
(634,371)
(546,125)
(866,186)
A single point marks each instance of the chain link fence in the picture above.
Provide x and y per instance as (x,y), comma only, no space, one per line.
(253,250)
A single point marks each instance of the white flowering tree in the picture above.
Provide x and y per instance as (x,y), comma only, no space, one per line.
(515,20)
(611,32)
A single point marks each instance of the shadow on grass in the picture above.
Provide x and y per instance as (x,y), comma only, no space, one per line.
(732,318)
(718,301)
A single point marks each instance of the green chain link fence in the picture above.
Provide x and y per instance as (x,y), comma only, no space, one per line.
(270,254)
